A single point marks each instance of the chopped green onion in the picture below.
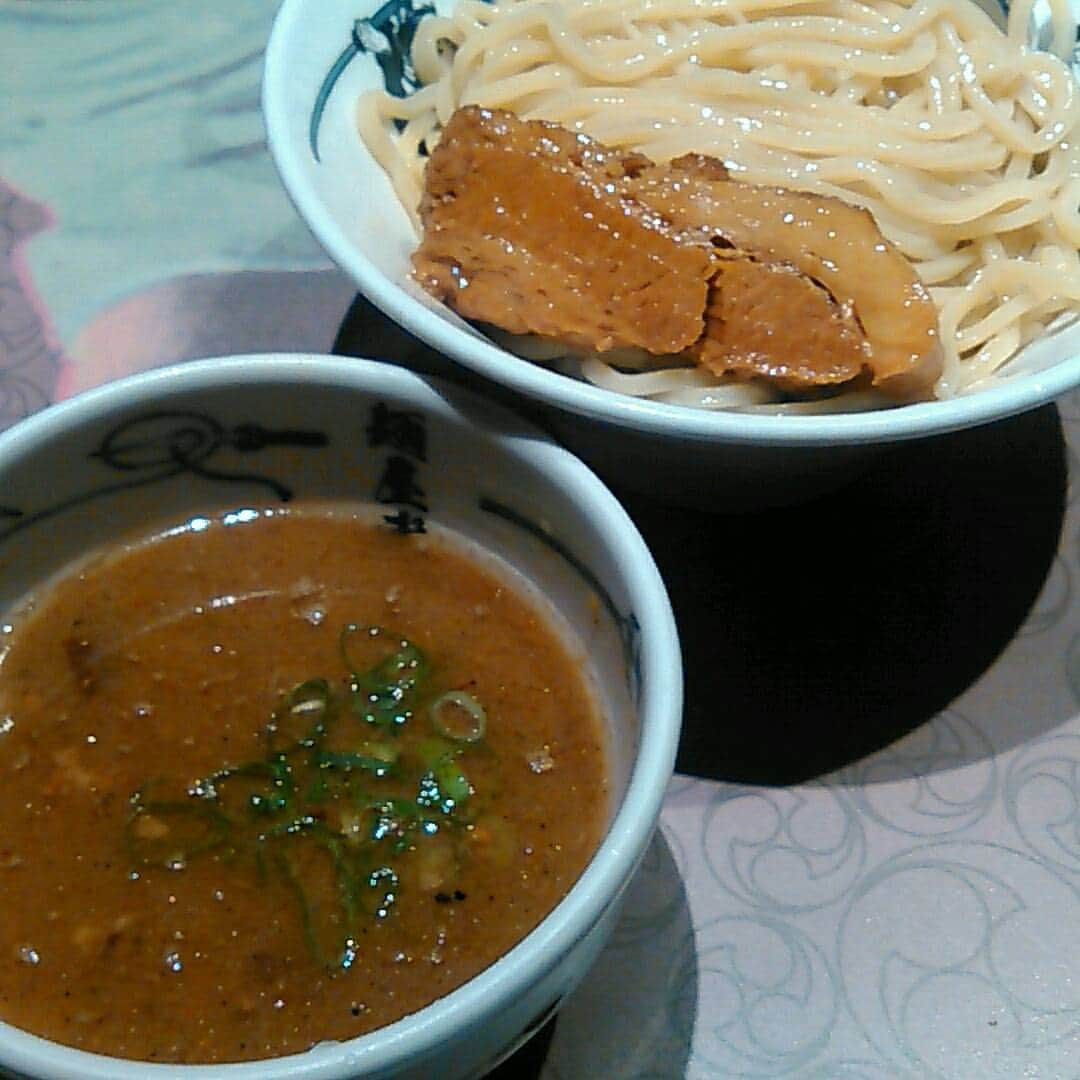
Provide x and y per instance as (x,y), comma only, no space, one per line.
(403,663)
(304,717)
(169,833)
(382,691)
(332,805)
(453,782)
(431,751)
(318,791)
(347,761)
(444,788)
(383,751)
(458,716)
(273,792)
(328,933)
(395,822)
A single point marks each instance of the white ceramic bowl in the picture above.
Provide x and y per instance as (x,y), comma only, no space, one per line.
(667,450)
(172,442)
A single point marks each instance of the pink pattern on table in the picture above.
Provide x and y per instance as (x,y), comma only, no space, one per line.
(30,355)
(204,315)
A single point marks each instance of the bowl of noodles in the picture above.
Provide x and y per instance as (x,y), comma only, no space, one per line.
(725,247)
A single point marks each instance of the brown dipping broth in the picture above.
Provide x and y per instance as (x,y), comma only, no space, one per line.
(234,825)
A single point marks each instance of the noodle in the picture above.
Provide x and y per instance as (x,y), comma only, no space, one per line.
(954,134)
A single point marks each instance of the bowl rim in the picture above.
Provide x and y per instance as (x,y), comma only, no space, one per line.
(660,708)
(291,157)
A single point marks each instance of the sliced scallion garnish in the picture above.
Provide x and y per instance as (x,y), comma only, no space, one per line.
(349,760)
(453,783)
(459,716)
(386,671)
(303,717)
(264,787)
(339,801)
(169,832)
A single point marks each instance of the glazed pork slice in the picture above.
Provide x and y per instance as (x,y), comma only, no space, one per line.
(875,292)
(525,226)
(539,230)
(768,320)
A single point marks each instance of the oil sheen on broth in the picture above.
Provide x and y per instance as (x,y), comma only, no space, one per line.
(274,777)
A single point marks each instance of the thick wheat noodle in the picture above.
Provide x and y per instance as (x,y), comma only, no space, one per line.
(956,136)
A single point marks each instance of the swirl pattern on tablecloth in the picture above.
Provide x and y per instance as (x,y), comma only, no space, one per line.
(785,849)
(954,965)
(940,779)
(772,998)
(1042,799)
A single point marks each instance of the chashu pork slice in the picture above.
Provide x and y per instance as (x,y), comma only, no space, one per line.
(768,320)
(526,226)
(833,245)
(539,230)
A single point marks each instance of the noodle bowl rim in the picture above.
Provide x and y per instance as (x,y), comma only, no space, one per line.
(292,157)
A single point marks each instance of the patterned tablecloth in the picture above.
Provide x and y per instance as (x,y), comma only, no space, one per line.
(906,904)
